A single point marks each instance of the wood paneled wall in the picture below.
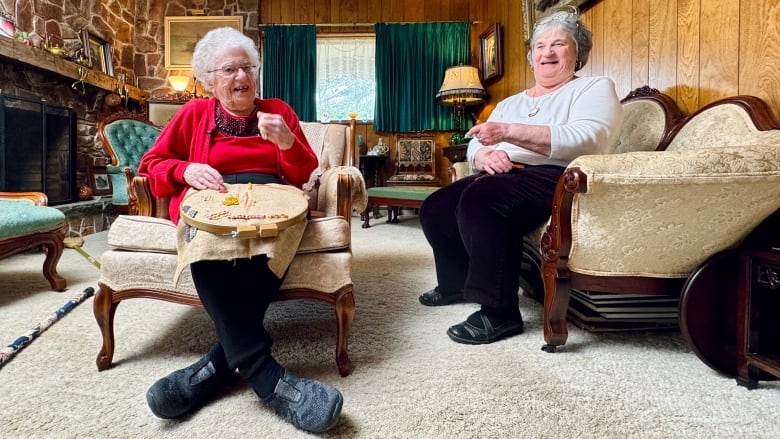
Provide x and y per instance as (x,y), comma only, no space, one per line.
(696,51)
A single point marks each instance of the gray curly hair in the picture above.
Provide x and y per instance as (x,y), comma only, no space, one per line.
(569,21)
(209,49)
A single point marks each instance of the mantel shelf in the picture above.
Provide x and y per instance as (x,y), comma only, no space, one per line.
(17,51)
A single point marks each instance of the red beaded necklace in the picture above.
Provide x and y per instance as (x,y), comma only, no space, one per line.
(238,126)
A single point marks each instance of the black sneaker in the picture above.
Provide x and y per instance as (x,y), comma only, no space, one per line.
(308,404)
(188,389)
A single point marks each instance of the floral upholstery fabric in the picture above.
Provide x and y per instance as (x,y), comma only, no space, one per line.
(328,142)
(722,125)
(661,214)
(643,126)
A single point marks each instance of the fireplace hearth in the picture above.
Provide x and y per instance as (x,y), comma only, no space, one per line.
(37,148)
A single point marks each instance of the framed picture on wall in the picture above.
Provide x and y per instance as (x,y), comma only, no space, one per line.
(99,181)
(98,53)
(181,34)
(535,9)
(491,64)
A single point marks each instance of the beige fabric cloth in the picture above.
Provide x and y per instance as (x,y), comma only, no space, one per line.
(198,245)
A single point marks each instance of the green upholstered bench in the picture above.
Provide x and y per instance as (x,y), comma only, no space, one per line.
(395,197)
(25,223)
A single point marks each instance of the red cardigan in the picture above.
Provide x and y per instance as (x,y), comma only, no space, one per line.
(188,138)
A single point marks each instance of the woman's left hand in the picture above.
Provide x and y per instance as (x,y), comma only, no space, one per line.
(273,129)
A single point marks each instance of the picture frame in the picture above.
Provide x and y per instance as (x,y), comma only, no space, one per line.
(98,54)
(181,34)
(533,10)
(161,112)
(491,62)
(99,181)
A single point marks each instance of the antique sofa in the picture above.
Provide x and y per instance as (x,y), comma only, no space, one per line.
(643,221)
(142,258)
(26,222)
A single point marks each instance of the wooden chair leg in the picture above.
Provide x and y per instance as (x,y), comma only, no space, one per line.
(104,310)
(556,305)
(345,312)
(54,246)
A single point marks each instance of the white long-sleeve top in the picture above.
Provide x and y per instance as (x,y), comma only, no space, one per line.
(584,117)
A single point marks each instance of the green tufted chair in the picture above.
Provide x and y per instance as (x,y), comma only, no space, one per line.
(125,137)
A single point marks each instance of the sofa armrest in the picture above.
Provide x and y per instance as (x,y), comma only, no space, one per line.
(659,214)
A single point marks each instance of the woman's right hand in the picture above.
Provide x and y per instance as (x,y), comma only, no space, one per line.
(202,176)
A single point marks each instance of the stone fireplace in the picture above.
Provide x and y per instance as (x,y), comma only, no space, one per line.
(37,148)
(134,31)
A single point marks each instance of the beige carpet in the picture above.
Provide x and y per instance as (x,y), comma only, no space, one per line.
(410,380)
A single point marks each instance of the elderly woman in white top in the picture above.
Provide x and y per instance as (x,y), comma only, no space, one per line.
(476,225)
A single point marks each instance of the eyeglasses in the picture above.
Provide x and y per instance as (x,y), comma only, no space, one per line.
(231,72)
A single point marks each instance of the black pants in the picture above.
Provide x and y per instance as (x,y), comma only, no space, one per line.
(476,226)
(236,295)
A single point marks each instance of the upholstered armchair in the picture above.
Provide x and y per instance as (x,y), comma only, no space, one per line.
(321,269)
(125,137)
(641,222)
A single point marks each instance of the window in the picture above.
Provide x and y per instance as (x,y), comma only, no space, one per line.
(345,77)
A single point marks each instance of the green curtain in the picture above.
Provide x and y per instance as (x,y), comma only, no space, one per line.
(411,60)
(290,67)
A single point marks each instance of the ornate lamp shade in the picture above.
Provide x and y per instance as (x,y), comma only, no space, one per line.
(179,83)
(461,88)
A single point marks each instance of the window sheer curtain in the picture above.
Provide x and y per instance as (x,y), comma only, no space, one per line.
(411,59)
(290,67)
(346,81)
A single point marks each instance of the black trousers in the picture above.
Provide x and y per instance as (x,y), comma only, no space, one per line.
(236,295)
(475,227)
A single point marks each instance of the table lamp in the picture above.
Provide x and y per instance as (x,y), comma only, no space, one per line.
(461,88)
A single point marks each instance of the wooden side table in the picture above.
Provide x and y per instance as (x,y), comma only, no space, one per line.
(758,317)
(373,168)
(730,308)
